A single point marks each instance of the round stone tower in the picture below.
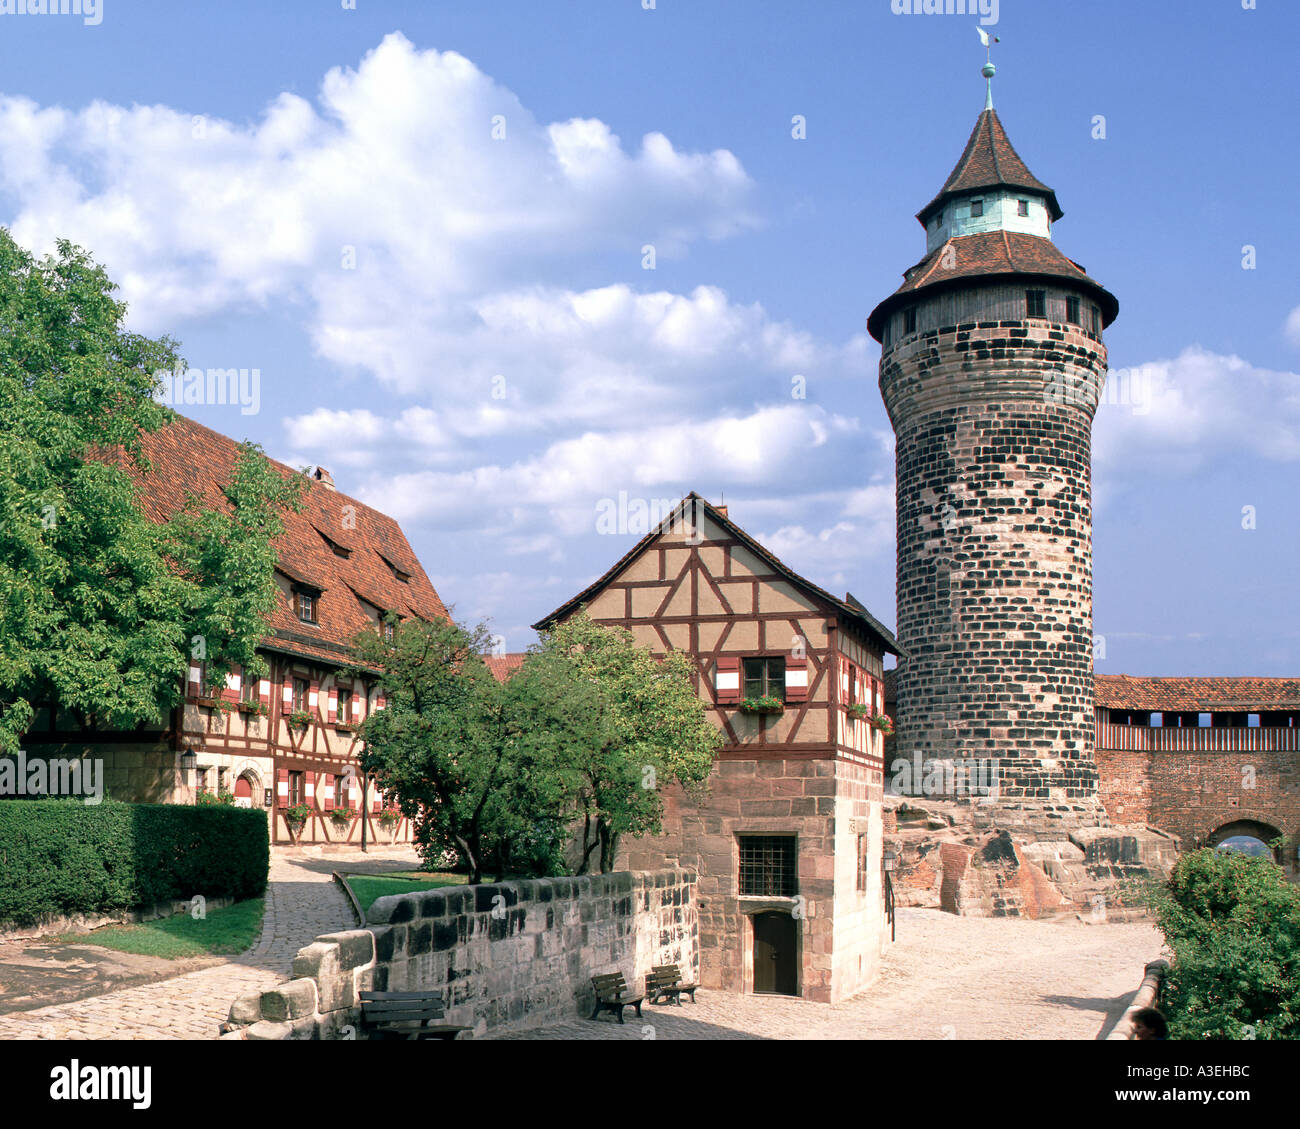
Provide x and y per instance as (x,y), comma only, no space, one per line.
(991,369)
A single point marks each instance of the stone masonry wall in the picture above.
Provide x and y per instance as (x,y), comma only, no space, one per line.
(507,956)
(1194,794)
(993,423)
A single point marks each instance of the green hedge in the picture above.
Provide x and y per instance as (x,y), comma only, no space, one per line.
(65,857)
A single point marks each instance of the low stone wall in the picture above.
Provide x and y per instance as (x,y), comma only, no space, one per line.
(506,957)
(1148,995)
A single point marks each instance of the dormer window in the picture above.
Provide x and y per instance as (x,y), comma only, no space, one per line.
(337,549)
(388,631)
(976,208)
(305,605)
(1022,207)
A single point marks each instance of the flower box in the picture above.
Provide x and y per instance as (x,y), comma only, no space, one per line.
(299,719)
(884,723)
(860,710)
(764,705)
(253,708)
(215,704)
(346,727)
(342,815)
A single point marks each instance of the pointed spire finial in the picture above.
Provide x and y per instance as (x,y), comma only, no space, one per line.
(988,70)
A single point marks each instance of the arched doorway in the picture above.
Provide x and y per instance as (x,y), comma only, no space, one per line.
(1248,836)
(245,790)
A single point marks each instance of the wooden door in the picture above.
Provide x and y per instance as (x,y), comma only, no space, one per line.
(776,954)
(243,793)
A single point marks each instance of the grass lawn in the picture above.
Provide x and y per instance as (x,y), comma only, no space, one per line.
(223,932)
(368,887)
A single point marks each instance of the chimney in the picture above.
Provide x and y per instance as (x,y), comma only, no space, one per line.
(321,475)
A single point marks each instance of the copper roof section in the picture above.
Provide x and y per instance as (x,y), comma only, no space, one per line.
(849,608)
(991,254)
(989,161)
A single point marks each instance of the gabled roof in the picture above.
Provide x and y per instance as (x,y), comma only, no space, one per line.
(989,161)
(1196,695)
(989,254)
(854,611)
(186,457)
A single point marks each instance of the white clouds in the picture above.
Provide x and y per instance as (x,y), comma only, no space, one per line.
(398,160)
(1173,416)
(1292,327)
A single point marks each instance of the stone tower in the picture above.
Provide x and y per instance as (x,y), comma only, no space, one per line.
(991,368)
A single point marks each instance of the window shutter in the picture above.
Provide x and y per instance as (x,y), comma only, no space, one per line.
(287,695)
(356,705)
(352,790)
(309,783)
(313,696)
(796,678)
(333,703)
(282,787)
(376,801)
(264,692)
(327,795)
(727,683)
(380,701)
(196,680)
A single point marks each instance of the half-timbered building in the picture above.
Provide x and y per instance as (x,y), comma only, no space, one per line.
(289,740)
(788,842)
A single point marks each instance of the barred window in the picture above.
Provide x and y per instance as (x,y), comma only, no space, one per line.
(767,866)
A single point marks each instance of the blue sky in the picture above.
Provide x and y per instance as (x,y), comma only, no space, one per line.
(459,326)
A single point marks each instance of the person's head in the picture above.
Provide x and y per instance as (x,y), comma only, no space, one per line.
(1149,1023)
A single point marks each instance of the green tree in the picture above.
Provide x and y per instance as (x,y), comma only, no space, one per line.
(455,745)
(101,604)
(633,725)
(1233,925)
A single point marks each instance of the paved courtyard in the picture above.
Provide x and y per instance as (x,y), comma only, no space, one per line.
(945,978)
(302,901)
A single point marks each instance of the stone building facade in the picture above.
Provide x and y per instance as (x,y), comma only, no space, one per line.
(291,738)
(992,366)
(787,844)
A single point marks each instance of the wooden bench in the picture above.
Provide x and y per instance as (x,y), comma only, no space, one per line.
(667,981)
(406,1015)
(612,995)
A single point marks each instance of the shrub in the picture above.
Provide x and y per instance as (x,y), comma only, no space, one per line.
(67,857)
(1233,924)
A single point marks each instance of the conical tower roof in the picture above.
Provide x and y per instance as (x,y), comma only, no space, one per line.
(989,161)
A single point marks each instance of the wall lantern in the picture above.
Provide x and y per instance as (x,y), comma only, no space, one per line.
(890,860)
(188,761)
(266,797)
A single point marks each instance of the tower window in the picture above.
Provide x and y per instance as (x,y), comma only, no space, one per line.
(976,208)
(909,320)
(1036,303)
(1072,311)
(1022,207)
(1096,321)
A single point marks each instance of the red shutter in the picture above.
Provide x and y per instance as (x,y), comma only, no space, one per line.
(286,692)
(313,689)
(309,784)
(282,787)
(329,786)
(796,679)
(727,683)
(333,704)
(264,691)
(376,802)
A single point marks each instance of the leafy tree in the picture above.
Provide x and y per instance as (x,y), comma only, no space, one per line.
(635,723)
(100,603)
(1233,925)
(458,747)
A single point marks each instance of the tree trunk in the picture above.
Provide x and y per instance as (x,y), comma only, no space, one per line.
(471,860)
(588,845)
(608,846)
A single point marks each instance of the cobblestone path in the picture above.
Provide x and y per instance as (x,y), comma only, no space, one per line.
(946,977)
(302,901)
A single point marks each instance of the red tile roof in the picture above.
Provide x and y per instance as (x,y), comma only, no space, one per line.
(989,161)
(991,254)
(186,457)
(1199,695)
(503,666)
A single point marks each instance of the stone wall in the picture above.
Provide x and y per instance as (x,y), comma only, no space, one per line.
(1194,794)
(506,957)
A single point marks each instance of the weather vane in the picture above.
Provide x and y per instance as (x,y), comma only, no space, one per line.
(988,70)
